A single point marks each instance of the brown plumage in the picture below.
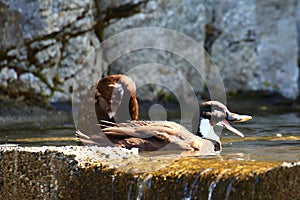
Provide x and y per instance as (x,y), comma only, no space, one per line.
(155,135)
(115,99)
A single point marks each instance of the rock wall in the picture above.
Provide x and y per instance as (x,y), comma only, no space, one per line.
(258,48)
(49,49)
(277,48)
(188,17)
(43,46)
(253,43)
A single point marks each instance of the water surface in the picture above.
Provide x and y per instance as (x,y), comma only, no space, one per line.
(270,137)
(267,137)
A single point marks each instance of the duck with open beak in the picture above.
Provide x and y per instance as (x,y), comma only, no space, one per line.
(154,135)
(234,118)
(214,113)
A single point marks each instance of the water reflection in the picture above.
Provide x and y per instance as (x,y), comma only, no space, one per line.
(271,137)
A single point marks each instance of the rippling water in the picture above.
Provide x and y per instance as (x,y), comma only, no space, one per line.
(270,137)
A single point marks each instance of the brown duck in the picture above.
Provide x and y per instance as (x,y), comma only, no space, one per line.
(114,91)
(115,99)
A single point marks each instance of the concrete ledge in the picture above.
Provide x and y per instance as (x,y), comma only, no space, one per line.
(76,172)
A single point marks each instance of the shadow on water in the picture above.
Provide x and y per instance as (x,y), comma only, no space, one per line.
(267,137)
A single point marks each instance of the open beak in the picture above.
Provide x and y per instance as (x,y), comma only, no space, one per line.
(226,124)
(234,118)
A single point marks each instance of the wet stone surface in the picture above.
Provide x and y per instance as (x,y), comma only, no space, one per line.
(78,172)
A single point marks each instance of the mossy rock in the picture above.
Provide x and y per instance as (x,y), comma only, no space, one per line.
(76,172)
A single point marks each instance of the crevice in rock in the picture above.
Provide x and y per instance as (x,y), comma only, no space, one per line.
(211,34)
(62,36)
(105,13)
(15,89)
(108,12)
(249,38)
(121,11)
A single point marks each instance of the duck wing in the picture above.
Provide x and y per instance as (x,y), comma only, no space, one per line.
(141,129)
(166,131)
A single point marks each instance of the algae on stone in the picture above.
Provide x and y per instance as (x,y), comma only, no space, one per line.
(74,172)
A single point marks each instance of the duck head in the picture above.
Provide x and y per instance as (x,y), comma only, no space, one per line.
(115,99)
(215,114)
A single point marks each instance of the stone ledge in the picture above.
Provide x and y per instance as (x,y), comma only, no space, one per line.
(76,172)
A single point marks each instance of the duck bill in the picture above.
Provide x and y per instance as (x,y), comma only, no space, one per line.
(226,124)
(238,118)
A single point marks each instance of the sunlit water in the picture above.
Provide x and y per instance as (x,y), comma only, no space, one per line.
(272,137)
(38,134)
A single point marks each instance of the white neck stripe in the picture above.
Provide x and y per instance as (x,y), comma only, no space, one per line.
(207,130)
